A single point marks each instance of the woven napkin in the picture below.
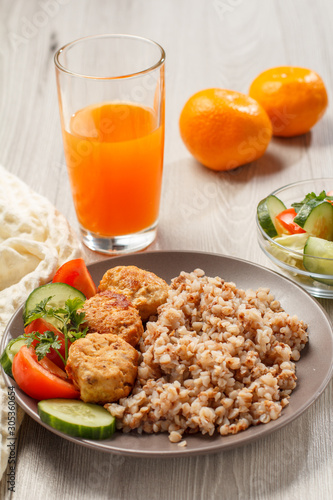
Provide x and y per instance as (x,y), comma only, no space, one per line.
(35,239)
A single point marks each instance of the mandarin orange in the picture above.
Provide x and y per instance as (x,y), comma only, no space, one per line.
(294,98)
(224,129)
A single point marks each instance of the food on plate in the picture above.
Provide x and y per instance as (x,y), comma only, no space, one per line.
(144,289)
(75,273)
(211,358)
(305,227)
(224,129)
(103,367)
(217,358)
(295,99)
(85,420)
(111,312)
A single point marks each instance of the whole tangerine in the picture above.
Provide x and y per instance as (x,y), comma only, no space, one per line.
(224,129)
(294,98)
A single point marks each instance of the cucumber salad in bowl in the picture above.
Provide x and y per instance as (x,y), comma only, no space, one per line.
(295,230)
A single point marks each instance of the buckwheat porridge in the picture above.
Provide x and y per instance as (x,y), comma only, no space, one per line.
(216,358)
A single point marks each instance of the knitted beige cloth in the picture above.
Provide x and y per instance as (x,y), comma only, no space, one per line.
(35,239)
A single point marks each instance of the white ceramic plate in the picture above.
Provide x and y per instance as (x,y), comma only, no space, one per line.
(314,369)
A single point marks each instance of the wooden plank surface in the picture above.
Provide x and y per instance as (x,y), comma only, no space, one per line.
(218,43)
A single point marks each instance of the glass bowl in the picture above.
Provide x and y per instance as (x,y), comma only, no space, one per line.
(290,261)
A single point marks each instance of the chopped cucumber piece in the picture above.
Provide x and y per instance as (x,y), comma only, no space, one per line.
(316,219)
(8,354)
(76,418)
(267,210)
(60,292)
(318,257)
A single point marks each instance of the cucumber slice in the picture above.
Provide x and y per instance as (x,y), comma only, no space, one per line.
(316,219)
(76,418)
(60,292)
(318,257)
(267,210)
(8,354)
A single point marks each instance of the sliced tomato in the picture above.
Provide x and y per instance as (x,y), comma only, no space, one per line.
(286,219)
(38,382)
(53,368)
(41,326)
(75,273)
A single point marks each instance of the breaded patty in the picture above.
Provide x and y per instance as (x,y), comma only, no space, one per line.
(103,367)
(111,312)
(144,289)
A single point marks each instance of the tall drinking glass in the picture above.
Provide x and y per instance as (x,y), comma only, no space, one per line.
(111,100)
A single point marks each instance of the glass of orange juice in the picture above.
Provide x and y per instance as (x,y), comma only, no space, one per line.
(111,100)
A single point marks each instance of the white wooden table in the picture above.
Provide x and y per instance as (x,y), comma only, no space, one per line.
(219,43)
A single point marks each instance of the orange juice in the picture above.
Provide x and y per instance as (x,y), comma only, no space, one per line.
(114,156)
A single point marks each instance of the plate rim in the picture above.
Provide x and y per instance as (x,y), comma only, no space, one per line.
(246,436)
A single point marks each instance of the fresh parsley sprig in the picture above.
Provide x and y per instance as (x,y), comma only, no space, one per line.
(70,321)
(45,342)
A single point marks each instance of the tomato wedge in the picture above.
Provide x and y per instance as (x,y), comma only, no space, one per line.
(286,219)
(38,382)
(75,273)
(41,326)
(53,368)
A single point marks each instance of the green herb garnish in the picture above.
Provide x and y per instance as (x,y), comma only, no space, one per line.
(71,326)
(46,341)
